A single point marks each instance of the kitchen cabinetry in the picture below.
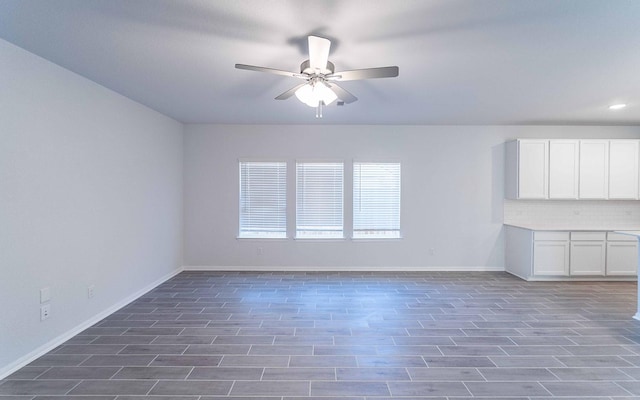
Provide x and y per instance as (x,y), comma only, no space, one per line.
(587,253)
(563,169)
(594,169)
(529,177)
(622,254)
(623,169)
(551,253)
(545,255)
(589,169)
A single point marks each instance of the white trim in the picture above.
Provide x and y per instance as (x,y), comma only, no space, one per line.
(262,159)
(637,316)
(284,268)
(381,160)
(524,278)
(53,343)
(553,278)
(269,239)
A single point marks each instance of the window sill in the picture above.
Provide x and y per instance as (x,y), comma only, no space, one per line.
(377,239)
(320,239)
(262,238)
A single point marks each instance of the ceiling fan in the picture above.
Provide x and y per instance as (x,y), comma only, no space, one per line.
(319,87)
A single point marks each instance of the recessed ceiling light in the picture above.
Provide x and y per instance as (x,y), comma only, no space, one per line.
(617,106)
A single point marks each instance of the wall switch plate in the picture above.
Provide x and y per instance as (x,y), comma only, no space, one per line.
(90,291)
(45,295)
(45,312)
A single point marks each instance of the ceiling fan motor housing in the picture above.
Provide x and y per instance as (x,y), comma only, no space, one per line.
(305,68)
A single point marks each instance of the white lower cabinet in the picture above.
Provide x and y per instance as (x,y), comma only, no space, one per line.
(551,257)
(588,253)
(622,255)
(549,254)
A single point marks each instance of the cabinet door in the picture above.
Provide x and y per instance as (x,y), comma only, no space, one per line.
(533,161)
(587,258)
(550,257)
(563,169)
(622,258)
(623,169)
(594,169)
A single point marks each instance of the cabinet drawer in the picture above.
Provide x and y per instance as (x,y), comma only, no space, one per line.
(588,235)
(620,237)
(550,235)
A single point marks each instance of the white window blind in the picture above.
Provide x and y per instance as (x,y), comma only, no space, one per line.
(376,200)
(319,199)
(263,199)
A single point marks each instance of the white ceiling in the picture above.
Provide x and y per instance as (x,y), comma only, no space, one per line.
(485,62)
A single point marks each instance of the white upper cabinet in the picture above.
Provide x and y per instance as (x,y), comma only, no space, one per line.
(623,169)
(563,169)
(586,169)
(533,161)
(527,169)
(594,169)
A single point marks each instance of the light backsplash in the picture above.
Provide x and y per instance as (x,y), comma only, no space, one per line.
(586,214)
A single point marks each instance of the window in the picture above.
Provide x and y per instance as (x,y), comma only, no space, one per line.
(263,200)
(376,200)
(319,201)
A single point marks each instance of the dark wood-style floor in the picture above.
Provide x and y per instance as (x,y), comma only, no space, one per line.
(351,336)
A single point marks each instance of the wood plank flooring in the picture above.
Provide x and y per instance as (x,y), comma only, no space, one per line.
(351,336)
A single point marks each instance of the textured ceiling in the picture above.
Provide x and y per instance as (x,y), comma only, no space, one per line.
(485,62)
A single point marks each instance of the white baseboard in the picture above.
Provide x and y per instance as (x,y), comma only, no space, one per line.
(52,344)
(524,278)
(270,268)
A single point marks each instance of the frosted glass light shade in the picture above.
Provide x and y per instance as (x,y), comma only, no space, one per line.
(313,94)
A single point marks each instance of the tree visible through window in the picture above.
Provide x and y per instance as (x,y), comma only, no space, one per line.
(263,200)
(376,200)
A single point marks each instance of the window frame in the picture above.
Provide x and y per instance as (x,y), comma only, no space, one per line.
(343,201)
(353,199)
(282,160)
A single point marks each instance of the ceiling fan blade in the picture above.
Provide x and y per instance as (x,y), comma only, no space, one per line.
(290,92)
(318,53)
(342,93)
(367,73)
(270,70)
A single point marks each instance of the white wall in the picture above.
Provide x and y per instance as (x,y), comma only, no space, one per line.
(452,177)
(90,194)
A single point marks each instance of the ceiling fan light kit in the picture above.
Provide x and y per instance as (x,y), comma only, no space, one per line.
(319,88)
(315,93)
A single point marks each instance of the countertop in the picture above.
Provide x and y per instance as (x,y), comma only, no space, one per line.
(541,227)
(633,233)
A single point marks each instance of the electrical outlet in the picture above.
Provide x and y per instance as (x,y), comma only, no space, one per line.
(576,212)
(45,312)
(90,291)
(432,252)
(260,251)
